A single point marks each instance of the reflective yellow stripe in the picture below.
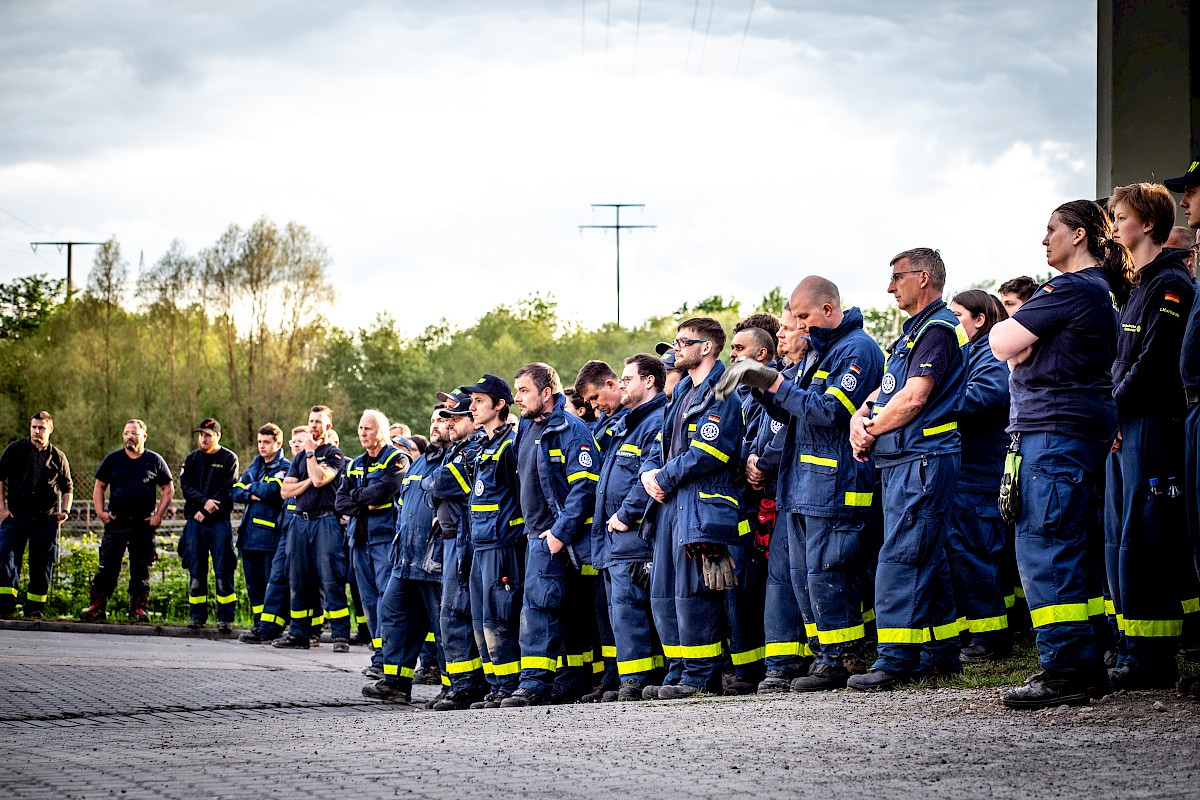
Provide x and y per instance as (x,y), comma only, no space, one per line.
(512,523)
(197,599)
(8,590)
(37,598)
(574,476)
(429,637)
(271,618)
(410,478)
(840,395)
(906,635)
(860,499)
(1062,612)
(377,642)
(266,523)
(225,599)
(589,656)
(487,668)
(395,669)
(805,458)
(782,649)
(485,507)
(810,630)
(712,451)
(1095,606)
(869,615)
(821,374)
(588,569)
(459,667)
(509,668)
(1018,592)
(540,662)
(576,660)
(1191,605)
(840,635)
(554,451)
(386,461)
(318,619)
(338,613)
(291,506)
(382,507)
(672,651)
(1110,609)
(608,651)
(301,613)
(458,477)
(947,631)
(949,426)
(721,496)
(748,656)
(701,650)
(635,665)
(256,609)
(630,448)
(272,480)
(1153,627)
(691,427)
(743,527)
(240,485)
(445,680)
(1010,600)
(986,624)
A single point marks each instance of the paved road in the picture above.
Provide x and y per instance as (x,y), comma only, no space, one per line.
(139,717)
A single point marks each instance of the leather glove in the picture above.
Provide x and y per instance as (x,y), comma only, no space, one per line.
(716,565)
(749,372)
(640,575)
(1010,490)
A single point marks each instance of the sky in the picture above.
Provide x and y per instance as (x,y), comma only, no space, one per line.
(446,154)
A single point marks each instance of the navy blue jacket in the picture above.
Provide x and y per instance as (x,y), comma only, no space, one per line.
(602,428)
(983,420)
(495,508)
(414,520)
(261,519)
(375,485)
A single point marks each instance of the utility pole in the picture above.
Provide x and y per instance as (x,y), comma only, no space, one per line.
(70,272)
(618,227)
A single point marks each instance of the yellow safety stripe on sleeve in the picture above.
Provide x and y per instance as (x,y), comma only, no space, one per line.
(8,590)
(352,472)
(266,523)
(377,642)
(574,476)
(459,667)
(1060,612)
(1018,592)
(588,569)
(37,598)
(1110,610)
(860,499)
(842,398)
(458,477)
(712,451)
(1010,600)
(240,485)
(949,426)
(273,480)
(810,630)
(1095,606)
(488,669)
(841,635)
(485,507)
(1191,605)
(743,527)
(540,662)
(869,615)
(429,637)
(512,523)
(806,458)
(608,651)
(410,478)
(774,649)
(318,619)
(225,599)
(748,656)
(509,668)
(1153,627)
(635,665)
(271,618)
(382,507)
(821,374)
(197,599)
(906,635)
(987,624)
(386,461)
(710,495)
(672,651)
(630,448)
(256,609)
(338,613)
(701,650)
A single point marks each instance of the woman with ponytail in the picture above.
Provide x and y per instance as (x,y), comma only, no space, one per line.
(1060,346)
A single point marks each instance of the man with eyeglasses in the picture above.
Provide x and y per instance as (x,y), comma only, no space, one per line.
(910,425)
(697,514)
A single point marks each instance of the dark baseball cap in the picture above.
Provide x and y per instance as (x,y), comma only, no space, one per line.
(457,404)
(1189,178)
(662,348)
(210,425)
(668,359)
(490,384)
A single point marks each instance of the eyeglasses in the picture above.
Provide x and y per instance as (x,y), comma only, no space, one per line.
(897,275)
(683,342)
(626,379)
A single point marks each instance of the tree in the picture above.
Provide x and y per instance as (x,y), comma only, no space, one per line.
(26,303)
(772,302)
(106,285)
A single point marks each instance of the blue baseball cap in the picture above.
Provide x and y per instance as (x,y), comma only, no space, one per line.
(668,359)
(490,384)
(457,404)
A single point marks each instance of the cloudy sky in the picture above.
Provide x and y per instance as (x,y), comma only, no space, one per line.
(447,153)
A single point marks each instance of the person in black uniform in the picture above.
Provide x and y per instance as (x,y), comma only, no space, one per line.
(133,475)
(38,478)
(207,478)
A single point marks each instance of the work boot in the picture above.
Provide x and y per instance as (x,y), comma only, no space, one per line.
(362,636)
(738,687)
(314,640)
(521,698)
(610,696)
(679,691)
(457,701)
(594,696)
(341,644)
(195,625)
(225,628)
(490,700)
(776,681)
(1189,685)
(430,676)
(137,608)
(256,636)
(650,692)
(373,671)
(876,680)
(96,612)
(983,653)
(630,690)
(1050,687)
(822,678)
(33,610)
(387,692)
(289,641)
(1133,675)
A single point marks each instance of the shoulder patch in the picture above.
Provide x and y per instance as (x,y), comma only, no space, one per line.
(709,431)
(889,383)
(1171,297)
(1048,289)
(849,382)
(585,459)
(776,426)
(479,487)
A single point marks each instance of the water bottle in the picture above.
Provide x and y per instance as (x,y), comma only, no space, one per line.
(1173,490)
(1154,490)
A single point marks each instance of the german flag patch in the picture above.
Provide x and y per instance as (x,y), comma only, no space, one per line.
(714,418)
(1171,297)
(1048,289)
(854,368)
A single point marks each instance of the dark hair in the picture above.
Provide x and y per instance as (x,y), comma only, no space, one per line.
(1023,287)
(421,442)
(650,365)
(543,376)
(764,322)
(496,401)
(593,374)
(577,402)
(976,302)
(44,416)
(271,429)
(761,339)
(1097,227)
(709,328)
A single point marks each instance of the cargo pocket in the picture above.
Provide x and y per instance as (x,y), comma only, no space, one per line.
(915,540)
(718,515)
(1059,490)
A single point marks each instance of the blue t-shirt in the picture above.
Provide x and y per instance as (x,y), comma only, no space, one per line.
(1065,386)
(318,499)
(133,482)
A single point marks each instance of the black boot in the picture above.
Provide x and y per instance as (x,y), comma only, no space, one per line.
(1048,688)
(1133,675)
(776,681)
(291,642)
(387,692)
(822,678)
(257,635)
(876,680)
(521,698)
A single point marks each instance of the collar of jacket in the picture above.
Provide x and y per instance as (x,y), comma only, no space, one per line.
(636,415)
(499,435)
(824,338)
(1167,258)
(557,421)
(704,390)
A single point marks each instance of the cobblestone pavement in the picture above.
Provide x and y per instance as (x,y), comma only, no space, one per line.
(138,717)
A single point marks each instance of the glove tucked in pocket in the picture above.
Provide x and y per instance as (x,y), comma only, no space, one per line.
(1010,489)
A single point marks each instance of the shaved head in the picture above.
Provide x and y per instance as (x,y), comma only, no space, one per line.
(816,291)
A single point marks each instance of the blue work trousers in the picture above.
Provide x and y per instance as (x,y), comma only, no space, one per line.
(372,565)
(198,541)
(316,558)
(549,601)
(496,587)
(744,610)
(786,646)
(39,534)
(975,545)
(639,653)
(256,567)
(464,667)
(827,574)
(408,610)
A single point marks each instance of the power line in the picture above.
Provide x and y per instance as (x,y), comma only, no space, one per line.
(23,222)
(687,61)
(637,31)
(618,227)
(745,32)
(70,272)
(704,42)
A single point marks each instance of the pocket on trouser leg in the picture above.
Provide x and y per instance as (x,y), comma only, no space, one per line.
(545,592)
(914,540)
(1060,493)
(501,601)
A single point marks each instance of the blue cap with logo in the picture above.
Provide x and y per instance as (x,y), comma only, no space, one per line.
(1189,178)
(457,404)
(490,384)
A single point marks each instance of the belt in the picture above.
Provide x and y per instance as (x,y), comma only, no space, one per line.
(1192,395)
(307,515)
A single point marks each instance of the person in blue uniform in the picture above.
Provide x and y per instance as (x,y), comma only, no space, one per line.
(1061,345)
(911,426)
(976,535)
(207,479)
(1144,517)
(262,516)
